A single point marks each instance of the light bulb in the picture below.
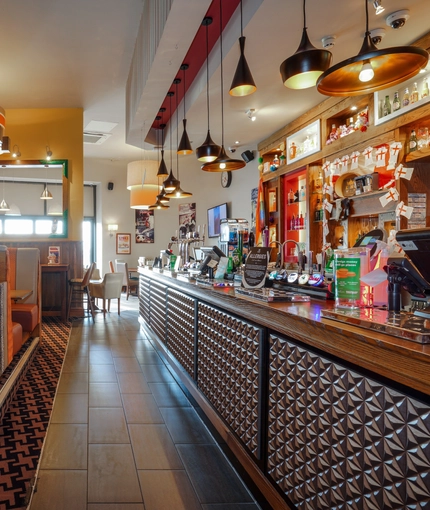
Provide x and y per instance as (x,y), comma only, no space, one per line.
(366,73)
(222,166)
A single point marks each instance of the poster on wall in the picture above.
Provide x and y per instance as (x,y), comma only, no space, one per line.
(144,226)
(254,198)
(187,219)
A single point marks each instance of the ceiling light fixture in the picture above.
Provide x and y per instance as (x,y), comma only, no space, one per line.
(184,147)
(4,206)
(46,194)
(390,67)
(251,114)
(48,153)
(15,152)
(160,202)
(162,169)
(222,162)
(170,183)
(301,70)
(209,150)
(243,83)
(378,7)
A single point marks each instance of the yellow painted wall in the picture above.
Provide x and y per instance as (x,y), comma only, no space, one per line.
(62,130)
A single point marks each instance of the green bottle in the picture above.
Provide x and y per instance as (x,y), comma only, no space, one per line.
(396,102)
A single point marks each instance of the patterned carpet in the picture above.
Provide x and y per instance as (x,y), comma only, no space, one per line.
(24,425)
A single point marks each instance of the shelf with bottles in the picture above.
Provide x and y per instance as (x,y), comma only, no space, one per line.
(272,160)
(402,98)
(418,142)
(353,119)
(304,142)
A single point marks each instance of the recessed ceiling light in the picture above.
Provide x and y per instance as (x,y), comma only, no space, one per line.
(353,108)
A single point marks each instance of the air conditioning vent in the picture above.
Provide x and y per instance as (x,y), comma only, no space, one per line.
(95,138)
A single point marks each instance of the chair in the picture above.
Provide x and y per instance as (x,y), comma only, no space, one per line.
(79,293)
(109,288)
(111,266)
(127,282)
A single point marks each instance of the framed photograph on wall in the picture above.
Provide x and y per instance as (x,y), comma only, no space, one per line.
(144,226)
(187,219)
(123,244)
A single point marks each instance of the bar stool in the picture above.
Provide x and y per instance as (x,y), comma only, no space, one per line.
(79,293)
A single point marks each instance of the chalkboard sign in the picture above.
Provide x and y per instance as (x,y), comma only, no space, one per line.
(254,276)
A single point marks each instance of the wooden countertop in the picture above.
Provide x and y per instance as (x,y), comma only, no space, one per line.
(400,360)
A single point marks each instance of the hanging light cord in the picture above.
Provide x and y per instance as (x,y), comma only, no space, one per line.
(304,15)
(184,94)
(170,97)
(177,127)
(367,19)
(222,73)
(241,20)
(207,71)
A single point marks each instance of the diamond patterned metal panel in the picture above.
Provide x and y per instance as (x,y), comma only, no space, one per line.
(158,312)
(180,329)
(339,440)
(228,370)
(144,284)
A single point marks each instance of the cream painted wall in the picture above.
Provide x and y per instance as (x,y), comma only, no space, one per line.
(113,206)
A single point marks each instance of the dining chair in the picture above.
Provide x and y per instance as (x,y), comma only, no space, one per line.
(130,284)
(108,288)
(79,293)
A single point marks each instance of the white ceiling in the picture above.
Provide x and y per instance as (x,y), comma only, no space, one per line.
(62,53)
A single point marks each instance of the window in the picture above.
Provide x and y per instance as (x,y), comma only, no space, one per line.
(18,227)
(47,227)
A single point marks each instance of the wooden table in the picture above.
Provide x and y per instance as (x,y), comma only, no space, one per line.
(20,295)
(54,290)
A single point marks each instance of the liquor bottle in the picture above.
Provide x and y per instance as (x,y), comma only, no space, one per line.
(301,221)
(302,196)
(413,142)
(319,183)
(297,223)
(386,108)
(425,91)
(414,94)
(291,196)
(396,102)
(293,222)
(405,100)
(318,209)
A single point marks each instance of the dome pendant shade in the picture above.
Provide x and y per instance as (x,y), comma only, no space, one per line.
(223,163)
(179,193)
(390,66)
(46,194)
(170,183)
(162,197)
(208,151)
(302,70)
(162,170)
(141,197)
(158,205)
(184,147)
(4,206)
(243,83)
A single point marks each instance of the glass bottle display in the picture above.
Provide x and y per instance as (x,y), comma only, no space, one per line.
(414,94)
(386,107)
(425,90)
(405,99)
(396,102)
(413,141)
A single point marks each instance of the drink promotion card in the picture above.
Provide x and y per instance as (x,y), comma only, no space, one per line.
(254,276)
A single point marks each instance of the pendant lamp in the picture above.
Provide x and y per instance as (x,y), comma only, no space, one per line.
(4,206)
(222,162)
(178,192)
(372,69)
(162,170)
(184,147)
(209,150)
(301,70)
(46,194)
(160,202)
(243,83)
(170,183)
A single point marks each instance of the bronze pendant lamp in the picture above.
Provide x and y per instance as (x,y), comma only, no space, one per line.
(301,70)
(209,150)
(372,69)
(222,163)
(184,147)
(178,192)
(162,170)
(243,83)
(171,182)
(160,200)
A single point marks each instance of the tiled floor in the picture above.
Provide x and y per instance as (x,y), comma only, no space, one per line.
(123,435)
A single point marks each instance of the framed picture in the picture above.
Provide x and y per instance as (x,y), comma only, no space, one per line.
(187,219)
(144,226)
(123,244)
(54,254)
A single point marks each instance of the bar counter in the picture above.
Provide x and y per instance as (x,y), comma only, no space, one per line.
(321,414)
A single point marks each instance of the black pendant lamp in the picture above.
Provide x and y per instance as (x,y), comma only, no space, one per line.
(243,83)
(178,192)
(161,197)
(372,69)
(209,150)
(184,147)
(222,162)
(160,202)
(170,183)
(162,169)
(301,70)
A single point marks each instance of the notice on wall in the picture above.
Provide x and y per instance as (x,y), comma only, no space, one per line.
(419,202)
(254,276)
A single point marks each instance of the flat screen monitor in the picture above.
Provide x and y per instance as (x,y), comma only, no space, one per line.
(213,251)
(215,215)
(416,245)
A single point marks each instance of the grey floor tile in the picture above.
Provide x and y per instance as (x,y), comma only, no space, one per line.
(141,408)
(147,357)
(153,447)
(212,476)
(60,489)
(70,408)
(126,365)
(157,373)
(107,425)
(75,364)
(102,373)
(169,395)
(134,382)
(180,496)
(112,476)
(100,357)
(185,426)
(65,447)
(73,382)
(104,394)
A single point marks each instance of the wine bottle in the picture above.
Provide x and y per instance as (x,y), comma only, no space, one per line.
(413,142)
(396,102)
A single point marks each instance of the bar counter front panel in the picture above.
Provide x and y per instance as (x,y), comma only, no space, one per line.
(315,429)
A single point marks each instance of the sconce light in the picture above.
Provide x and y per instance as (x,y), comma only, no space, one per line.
(378,7)
(15,152)
(48,153)
(112,228)
(251,114)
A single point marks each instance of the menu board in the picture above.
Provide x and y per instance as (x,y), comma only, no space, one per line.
(254,275)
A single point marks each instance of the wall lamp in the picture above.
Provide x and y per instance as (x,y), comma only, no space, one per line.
(251,114)
(48,153)
(112,228)
(15,152)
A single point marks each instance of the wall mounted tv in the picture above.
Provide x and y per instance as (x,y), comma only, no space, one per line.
(215,215)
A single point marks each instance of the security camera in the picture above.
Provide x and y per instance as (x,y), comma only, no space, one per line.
(376,35)
(232,149)
(397,19)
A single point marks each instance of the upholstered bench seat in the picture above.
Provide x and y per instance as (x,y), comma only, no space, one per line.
(16,336)
(26,314)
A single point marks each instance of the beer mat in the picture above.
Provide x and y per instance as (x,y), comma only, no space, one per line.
(403,325)
(271,295)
